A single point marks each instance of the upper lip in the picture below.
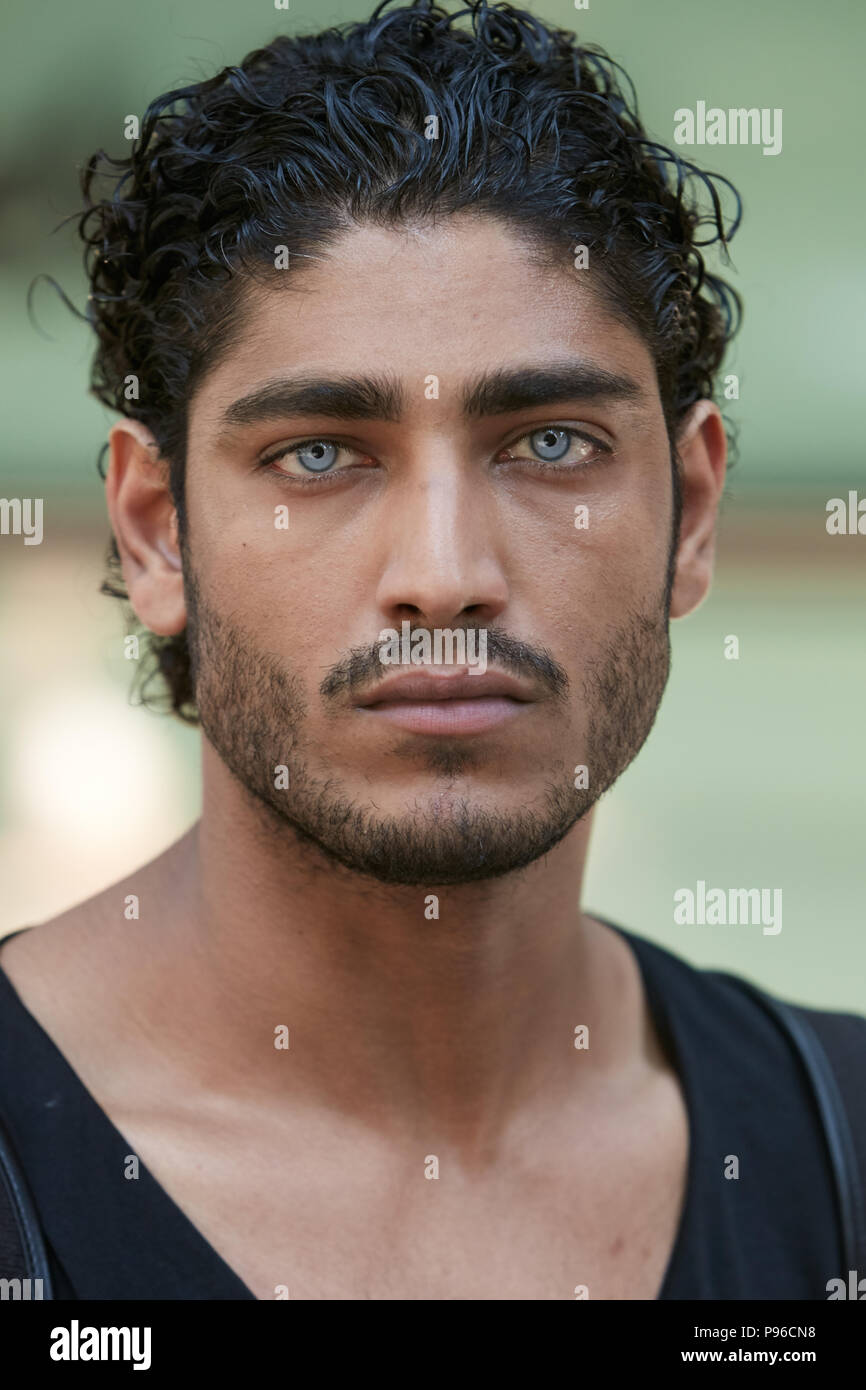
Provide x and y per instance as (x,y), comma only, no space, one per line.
(418,685)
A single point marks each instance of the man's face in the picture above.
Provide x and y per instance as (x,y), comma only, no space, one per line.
(440,518)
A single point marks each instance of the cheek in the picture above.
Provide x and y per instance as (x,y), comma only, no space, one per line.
(586,556)
(292,588)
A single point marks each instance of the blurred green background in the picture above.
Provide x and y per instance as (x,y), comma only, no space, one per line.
(754,774)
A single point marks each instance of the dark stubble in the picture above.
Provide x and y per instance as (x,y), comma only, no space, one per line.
(252,710)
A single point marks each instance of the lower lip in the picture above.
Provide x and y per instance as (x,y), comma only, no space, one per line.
(447,716)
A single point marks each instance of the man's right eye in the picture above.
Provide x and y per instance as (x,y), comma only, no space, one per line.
(310,457)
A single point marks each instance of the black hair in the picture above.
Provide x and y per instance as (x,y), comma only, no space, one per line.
(314,133)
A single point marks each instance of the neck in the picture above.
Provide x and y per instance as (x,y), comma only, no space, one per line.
(406,1007)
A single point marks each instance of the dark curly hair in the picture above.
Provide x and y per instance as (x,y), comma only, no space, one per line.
(313,132)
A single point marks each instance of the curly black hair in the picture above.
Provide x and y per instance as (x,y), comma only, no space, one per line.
(312,133)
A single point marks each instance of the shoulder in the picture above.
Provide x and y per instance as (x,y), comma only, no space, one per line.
(44,970)
(45,951)
(737,1016)
(82,974)
(762,1064)
(95,933)
(710,982)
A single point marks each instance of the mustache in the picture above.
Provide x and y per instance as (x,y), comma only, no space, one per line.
(361,666)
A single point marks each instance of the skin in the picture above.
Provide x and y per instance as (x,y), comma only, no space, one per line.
(409,1037)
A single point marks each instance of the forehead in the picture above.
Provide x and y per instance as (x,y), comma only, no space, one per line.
(444,298)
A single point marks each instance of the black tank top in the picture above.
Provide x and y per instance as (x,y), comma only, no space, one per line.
(772,1232)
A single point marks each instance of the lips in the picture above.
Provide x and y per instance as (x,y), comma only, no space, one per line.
(452,704)
(413,687)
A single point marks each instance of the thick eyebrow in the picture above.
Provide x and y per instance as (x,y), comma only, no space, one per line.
(342,398)
(516,388)
(497,392)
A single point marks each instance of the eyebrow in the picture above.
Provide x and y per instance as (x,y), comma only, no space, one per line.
(496,392)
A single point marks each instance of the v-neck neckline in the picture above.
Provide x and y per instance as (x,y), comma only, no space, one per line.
(100,1185)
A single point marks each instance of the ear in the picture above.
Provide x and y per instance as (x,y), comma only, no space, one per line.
(702,448)
(144,522)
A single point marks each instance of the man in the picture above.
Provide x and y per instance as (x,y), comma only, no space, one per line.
(411,337)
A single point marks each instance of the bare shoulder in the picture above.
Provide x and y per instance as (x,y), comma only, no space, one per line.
(55,965)
(58,936)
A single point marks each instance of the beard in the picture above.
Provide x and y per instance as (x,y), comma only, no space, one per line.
(253,711)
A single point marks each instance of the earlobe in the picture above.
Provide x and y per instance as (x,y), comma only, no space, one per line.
(144,522)
(702,449)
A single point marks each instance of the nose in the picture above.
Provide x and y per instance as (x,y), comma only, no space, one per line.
(443,560)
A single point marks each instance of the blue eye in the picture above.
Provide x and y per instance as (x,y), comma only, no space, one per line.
(317,456)
(551,443)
